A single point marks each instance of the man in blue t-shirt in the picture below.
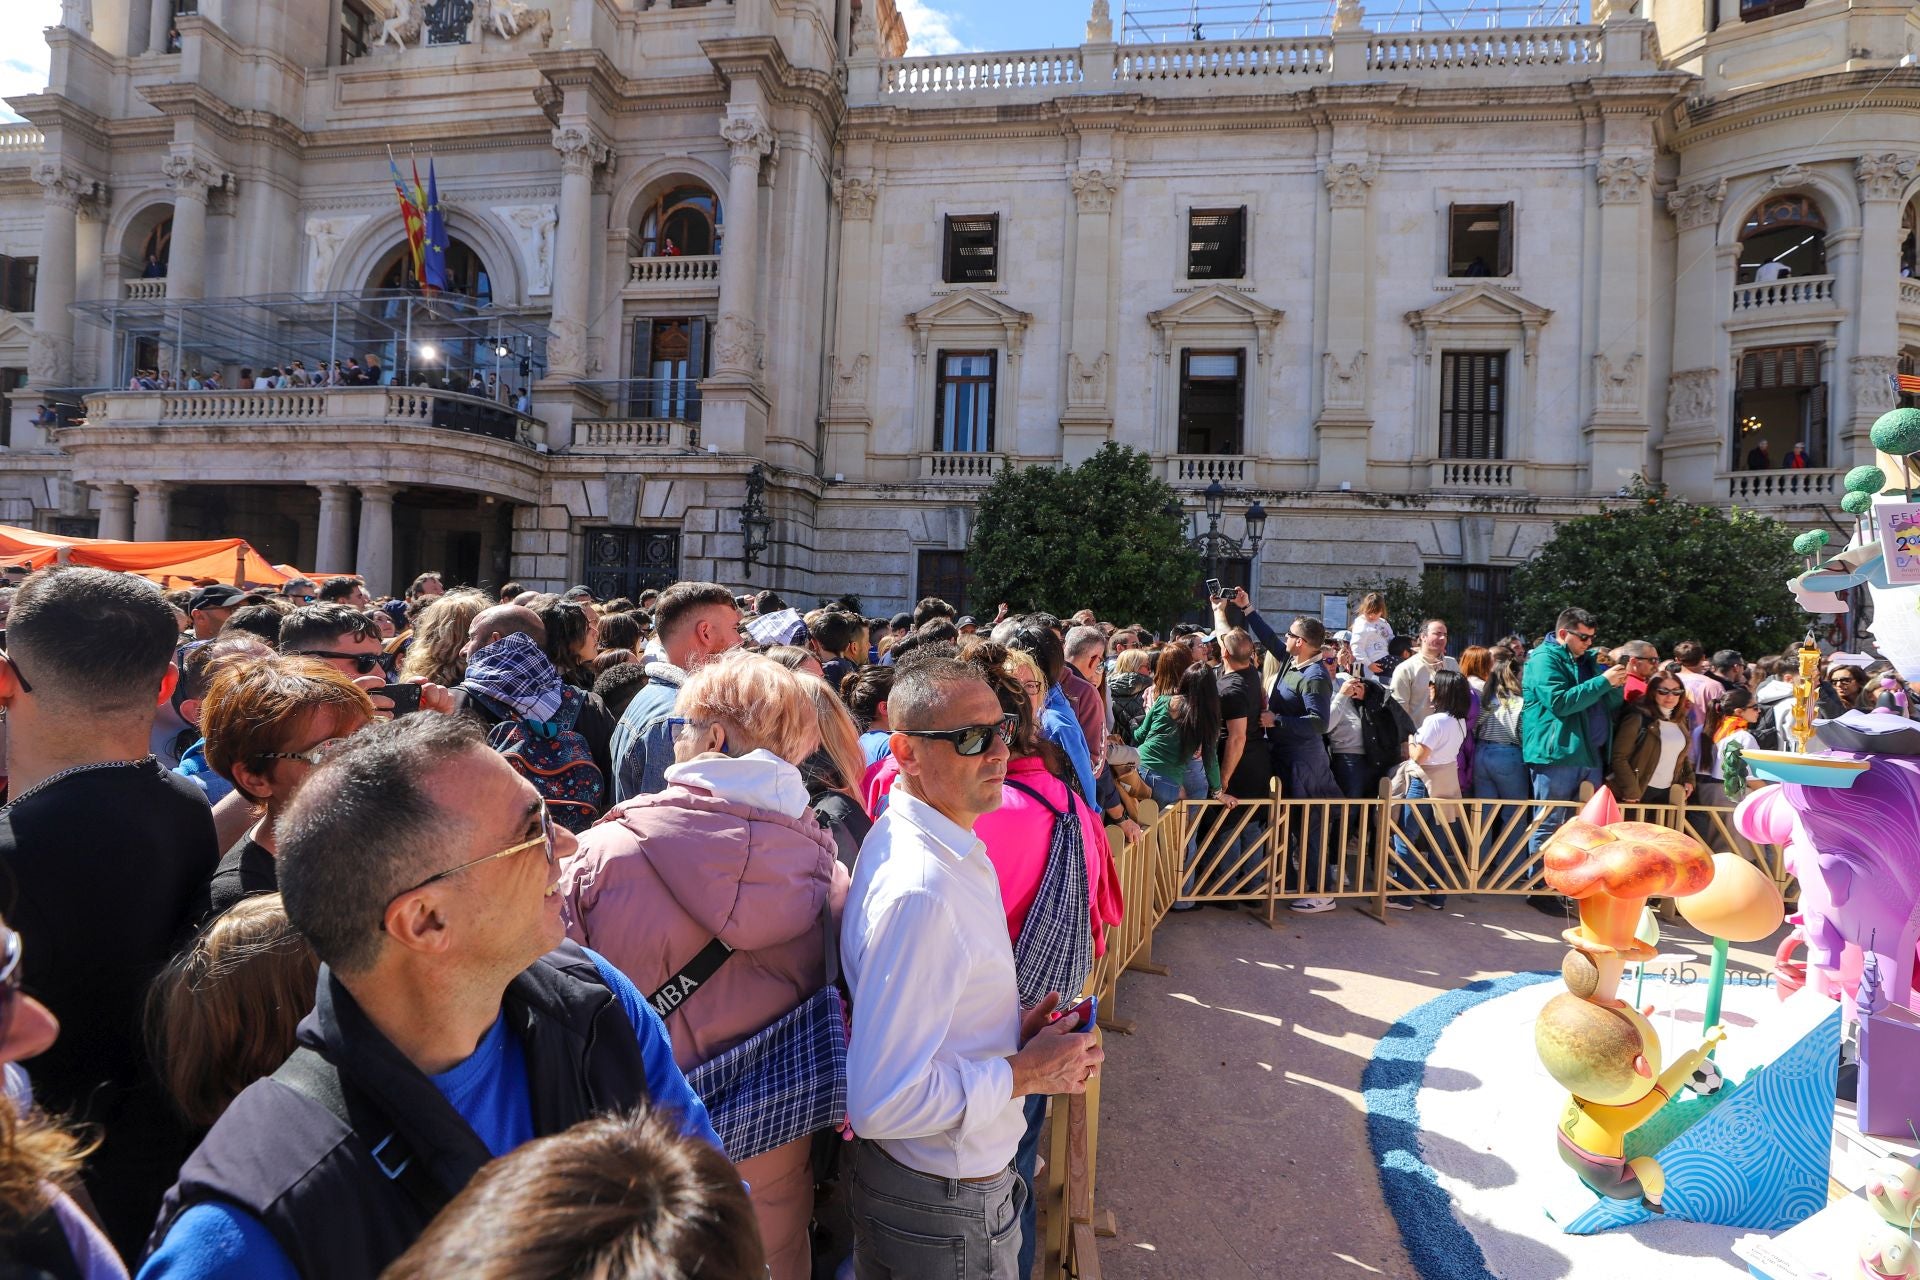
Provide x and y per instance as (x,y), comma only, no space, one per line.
(420,867)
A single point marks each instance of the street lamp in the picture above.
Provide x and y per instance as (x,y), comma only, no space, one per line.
(1216,546)
(756,527)
(1216,501)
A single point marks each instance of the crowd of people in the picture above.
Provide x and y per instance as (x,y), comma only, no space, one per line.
(514,933)
(351,372)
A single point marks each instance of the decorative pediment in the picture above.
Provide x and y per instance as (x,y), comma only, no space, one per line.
(1216,313)
(14,328)
(970,315)
(1480,309)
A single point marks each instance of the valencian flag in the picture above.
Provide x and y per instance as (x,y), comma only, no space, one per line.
(433,272)
(410,213)
(1906,384)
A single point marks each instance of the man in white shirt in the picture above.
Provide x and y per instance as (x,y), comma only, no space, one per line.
(1413,679)
(941,1054)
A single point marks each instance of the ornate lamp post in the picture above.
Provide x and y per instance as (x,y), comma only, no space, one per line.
(756,526)
(1216,546)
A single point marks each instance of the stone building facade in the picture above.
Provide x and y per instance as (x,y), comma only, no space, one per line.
(1420,294)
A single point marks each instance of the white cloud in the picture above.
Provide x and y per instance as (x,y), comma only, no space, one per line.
(929,30)
(27,73)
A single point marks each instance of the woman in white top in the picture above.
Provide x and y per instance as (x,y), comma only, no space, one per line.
(1433,770)
(1652,746)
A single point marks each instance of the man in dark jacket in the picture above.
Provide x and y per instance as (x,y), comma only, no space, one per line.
(450,1025)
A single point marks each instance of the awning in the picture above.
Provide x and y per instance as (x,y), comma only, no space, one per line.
(171,564)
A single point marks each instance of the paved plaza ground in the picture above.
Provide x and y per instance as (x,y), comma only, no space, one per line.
(1233,1132)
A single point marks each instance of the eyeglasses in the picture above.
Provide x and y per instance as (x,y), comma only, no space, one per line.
(319,753)
(544,838)
(19,675)
(364,663)
(1667,693)
(1584,637)
(1033,687)
(1836,680)
(972,740)
(12,975)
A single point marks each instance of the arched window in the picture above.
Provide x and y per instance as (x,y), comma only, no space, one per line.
(684,221)
(1784,236)
(155,248)
(466,273)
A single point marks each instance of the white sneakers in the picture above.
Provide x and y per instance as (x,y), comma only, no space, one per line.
(1311,906)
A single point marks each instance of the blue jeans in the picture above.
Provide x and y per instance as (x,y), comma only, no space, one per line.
(1554,782)
(1500,773)
(1410,820)
(1190,783)
(1358,779)
(1024,1161)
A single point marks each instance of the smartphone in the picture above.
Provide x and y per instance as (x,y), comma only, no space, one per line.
(1083,1013)
(405,697)
(1214,590)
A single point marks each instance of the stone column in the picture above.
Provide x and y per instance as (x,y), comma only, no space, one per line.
(375,559)
(116,511)
(1617,431)
(581,152)
(50,353)
(161,22)
(192,177)
(1088,420)
(333,547)
(1346,421)
(153,511)
(1695,443)
(735,355)
(1876,346)
(849,404)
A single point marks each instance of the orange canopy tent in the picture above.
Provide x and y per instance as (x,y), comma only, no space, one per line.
(171,564)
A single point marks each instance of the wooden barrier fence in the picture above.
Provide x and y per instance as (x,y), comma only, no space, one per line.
(1267,851)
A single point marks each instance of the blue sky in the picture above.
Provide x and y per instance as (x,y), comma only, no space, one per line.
(951,26)
(24,69)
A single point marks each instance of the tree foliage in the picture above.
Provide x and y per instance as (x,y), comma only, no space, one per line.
(1667,570)
(1106,535)
(1410,601)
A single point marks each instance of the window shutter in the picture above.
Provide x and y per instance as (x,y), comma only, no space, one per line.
(1473,404)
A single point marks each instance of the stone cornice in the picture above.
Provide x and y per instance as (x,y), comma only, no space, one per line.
(1701,119)
(52,112)
(179,100)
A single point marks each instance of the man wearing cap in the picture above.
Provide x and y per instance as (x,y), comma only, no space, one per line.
(210,607)
(967,624)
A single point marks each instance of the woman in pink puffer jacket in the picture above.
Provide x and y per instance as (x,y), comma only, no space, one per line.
(729,849)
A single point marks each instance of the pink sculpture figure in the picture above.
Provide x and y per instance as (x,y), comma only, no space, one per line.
(1856,852)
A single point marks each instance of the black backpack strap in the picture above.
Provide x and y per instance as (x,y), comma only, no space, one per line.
(311,1076)
(1044,802)
(673,993)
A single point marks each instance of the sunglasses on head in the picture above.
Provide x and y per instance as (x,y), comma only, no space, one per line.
(973,739)
(364,663)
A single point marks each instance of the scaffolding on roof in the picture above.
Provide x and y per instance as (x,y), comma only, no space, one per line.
(1166,21)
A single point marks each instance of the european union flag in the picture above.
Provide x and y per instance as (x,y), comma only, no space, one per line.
(434,273)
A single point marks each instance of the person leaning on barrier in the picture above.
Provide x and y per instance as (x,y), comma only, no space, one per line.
(1652,745)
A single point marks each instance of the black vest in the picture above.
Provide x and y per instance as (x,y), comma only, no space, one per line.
(318,1186)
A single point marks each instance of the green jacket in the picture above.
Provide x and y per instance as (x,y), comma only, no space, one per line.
(1158,738)
(1558,724)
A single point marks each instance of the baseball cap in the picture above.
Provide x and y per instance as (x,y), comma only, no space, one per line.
(967,621)
(1344,637)
(215,597)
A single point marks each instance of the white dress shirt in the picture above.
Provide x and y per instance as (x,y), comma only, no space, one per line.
(936,1011)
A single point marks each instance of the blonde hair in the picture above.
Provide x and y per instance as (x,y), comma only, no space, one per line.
(439,633)
(223,1014)
(839,735)
(1021,666)
(760,703)
(1136,661)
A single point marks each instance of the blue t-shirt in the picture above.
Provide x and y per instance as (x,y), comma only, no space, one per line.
(876,745)
(218,1241)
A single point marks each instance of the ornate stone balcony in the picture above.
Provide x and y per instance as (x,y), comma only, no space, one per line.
(1199,470)
(1910,301)
(144,290)
(980,467)
(1478,475)
(1777,296)
(960,72)
(19,138)
(1788,487)
(681,274)
(635,435)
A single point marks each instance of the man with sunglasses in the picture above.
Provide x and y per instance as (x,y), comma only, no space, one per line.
(942,1053)
(106,857)
(452,1022)
(1566,724)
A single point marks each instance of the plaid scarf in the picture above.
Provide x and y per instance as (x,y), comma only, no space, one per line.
(515,672)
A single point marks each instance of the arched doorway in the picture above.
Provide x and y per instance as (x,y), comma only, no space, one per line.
(466,272)
(156,248)
(441,356)
(684,221)
(1784,236)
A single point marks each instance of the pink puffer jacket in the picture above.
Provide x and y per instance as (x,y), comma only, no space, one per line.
(729,849)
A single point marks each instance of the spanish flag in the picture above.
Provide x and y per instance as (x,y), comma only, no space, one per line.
(411,213)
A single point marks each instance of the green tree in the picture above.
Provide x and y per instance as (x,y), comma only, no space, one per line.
(1410,601)
(1106,535)
(1667,570)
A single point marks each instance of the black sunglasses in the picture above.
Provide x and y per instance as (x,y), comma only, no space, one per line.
(972,740)
(18,674)
(364,663)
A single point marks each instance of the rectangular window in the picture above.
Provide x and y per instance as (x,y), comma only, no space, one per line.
(356,28)
(1473,404)
(17,284)
(1477,597)
(1217,244)
(10,380)
(1480,240)
(1780,410)
(1754,10)
(944,574)
(1213,397)
(963,401)
(972,253)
